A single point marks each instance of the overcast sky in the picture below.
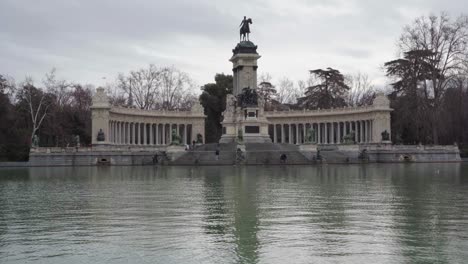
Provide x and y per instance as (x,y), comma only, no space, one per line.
(87,40)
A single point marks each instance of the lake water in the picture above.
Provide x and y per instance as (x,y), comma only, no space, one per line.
(399,213)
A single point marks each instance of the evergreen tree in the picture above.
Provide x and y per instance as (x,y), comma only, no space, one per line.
(330,91)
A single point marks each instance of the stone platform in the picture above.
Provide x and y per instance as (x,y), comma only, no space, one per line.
(248,154)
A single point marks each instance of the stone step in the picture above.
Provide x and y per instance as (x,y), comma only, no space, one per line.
(339,156)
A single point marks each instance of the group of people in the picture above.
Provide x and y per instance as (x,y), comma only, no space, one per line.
(190,147)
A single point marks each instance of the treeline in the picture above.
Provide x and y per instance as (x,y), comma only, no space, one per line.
(58,111)
(55,110)
(428,91)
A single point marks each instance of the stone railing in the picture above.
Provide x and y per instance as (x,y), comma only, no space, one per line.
(378,146)
(116,148)
(325,112)
(155,113)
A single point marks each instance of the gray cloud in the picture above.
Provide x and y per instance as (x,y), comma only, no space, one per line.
(87,39)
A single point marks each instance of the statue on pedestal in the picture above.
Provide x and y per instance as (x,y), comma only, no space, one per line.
(245,29)
(385,135)
(199,139)
(240,136)
(310,135)
(248,98)
(35,141)
(175,139)
(349,138)
(77,140)
(100,136)
(230,105)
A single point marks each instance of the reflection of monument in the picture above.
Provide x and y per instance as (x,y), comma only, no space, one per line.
(244,116)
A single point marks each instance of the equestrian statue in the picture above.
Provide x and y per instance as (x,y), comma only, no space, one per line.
(245,29)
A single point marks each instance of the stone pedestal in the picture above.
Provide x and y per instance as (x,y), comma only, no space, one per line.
(244,118)
(100,116)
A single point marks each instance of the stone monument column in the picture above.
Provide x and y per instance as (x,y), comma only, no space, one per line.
(100,118)
(244,119)
(381,121)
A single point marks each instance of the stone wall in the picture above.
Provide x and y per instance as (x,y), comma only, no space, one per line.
(255,154)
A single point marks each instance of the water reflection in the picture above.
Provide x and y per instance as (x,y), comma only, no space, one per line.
(377,213)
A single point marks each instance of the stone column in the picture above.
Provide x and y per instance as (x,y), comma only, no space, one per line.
(137,133)
(297,133)
(117,133)
(164,134)
(361,124)
(332,141)
(110,132)
(290,134)
(156,134)
(133,133)
(370,131)
(327,133)
(339,133)
(143,141)
(120,133)
(366,130)
(125,133)
(355,131)
(177,130)
(151,133)
(319,133)
(363,132)
(358,132)
(274,134)
(282,134)
(128,133)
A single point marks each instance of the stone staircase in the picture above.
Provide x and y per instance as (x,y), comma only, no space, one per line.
(330,155)
(268,153)
(255,154)
(205,155)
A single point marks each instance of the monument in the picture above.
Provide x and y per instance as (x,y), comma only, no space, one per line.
(129,136)
(244,117)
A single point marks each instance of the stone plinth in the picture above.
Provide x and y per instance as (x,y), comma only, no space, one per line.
(244,122)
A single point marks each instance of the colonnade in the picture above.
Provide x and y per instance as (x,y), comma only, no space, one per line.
(134,133)
(325,132)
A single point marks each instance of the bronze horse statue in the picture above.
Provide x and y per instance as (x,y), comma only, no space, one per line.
(245,29)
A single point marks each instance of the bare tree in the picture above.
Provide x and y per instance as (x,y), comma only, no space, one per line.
(155,88)
(447,41)
(141,87)
(37,103)
(287,93)
(265,77)
(59,88)
(7,86)
(362,91)
(268,92)
(175,86)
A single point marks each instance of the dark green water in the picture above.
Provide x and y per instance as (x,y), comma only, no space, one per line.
(416,213)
